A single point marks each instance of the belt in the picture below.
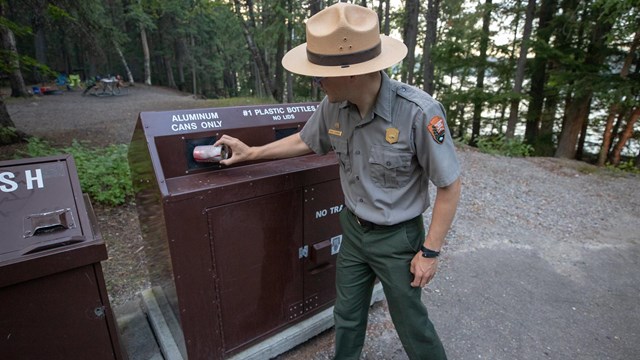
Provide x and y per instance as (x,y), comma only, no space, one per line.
(368,225)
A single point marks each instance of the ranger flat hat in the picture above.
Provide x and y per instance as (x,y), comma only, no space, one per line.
(344,40)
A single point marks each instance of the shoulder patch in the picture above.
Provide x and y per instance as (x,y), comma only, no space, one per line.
(436,129)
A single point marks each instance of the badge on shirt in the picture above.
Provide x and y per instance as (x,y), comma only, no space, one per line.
(436,129)
(335,131)
(392,135)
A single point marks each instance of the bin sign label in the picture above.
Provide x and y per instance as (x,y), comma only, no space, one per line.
(203,120)
(336,241)
(31,179)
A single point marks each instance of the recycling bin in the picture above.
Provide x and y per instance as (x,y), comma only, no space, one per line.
(53,298)
(241,251)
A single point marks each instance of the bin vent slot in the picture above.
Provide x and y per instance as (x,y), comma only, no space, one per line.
(283,133)
(49,222)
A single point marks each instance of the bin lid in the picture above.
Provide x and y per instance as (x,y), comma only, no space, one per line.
(42,208)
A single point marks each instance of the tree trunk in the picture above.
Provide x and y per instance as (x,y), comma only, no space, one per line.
(522,62)
(124,62)
(167,43)
(289,46)
(583,134)
(259,63)
(539,72)
(578,110)
(544,145)
(383,16)
(181,51)
(40,38)
(12,61)
(625,136)
(147,56)
(5,118)
(168,67)
(433,8)
(614,108)
(7,137)
(410,38)
(279,82)
(482,65)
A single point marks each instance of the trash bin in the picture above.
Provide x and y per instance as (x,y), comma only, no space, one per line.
(244,251)
(53,299)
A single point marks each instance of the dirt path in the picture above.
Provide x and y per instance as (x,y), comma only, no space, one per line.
(100,120)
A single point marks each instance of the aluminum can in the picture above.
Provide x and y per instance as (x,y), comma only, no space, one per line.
(210,153)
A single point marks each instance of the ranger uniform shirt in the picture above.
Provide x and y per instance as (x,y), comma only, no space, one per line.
(388,158)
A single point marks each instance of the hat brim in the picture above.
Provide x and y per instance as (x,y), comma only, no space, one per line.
(393,51)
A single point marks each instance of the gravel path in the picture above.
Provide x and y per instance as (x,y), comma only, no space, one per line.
(551,205)
(554,236)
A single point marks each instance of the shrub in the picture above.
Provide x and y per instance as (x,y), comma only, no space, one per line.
(103,172)
(8,135)
(628,166)
(499,145)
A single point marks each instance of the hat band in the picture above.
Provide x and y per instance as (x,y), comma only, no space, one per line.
(344,59)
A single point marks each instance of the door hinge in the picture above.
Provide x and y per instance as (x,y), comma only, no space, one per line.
(303,252)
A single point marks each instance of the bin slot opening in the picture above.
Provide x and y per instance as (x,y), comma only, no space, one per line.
(283,133)
(53,245)
(191,144)
(48,222)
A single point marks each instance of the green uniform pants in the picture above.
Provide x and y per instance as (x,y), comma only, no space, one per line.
(385,253)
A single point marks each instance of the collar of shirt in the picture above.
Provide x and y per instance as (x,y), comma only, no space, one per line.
(382,107)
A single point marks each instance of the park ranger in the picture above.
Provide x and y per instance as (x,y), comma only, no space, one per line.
(391,140)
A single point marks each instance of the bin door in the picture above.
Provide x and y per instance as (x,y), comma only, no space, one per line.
(322,236)
(60,316)
(255,246)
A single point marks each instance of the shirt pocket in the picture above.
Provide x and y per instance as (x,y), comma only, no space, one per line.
(341,148)
(390,168)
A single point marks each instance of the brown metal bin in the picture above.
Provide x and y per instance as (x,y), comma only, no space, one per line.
(245,251)
(53,299)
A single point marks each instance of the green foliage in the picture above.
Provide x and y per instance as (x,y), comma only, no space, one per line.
(499,145)
(17,29)
(58,13)
(103,172)
(7,59)
(8,135)
(628,166)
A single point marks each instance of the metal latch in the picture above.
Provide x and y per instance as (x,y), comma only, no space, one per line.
(303,252)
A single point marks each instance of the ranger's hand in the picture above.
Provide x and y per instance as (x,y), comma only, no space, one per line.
(423,269)
(239,151)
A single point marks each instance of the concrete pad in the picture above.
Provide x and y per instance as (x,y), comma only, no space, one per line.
(163,324)
(297,334)
(150,330)
(136,336)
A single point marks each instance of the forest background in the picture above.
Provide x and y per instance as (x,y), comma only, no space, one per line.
(544,77)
